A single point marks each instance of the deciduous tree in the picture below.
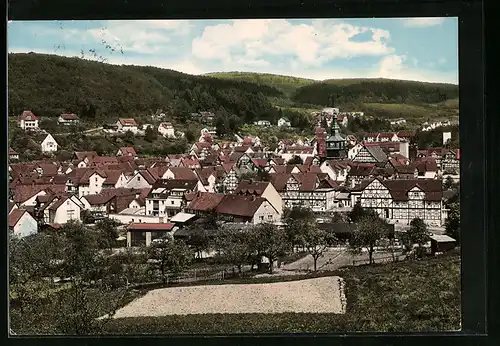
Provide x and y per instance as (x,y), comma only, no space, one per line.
(369,231)
(271,241)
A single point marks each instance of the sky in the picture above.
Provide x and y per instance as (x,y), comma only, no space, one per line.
(422,49)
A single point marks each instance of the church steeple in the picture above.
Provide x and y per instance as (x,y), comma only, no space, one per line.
(334,129)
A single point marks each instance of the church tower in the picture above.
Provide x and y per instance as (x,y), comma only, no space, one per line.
(336,144)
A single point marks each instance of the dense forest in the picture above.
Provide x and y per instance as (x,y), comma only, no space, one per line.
(285,84)
(50,85)
(356,91)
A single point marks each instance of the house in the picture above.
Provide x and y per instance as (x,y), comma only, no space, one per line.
(262,189)
(330,111)
(398,121)
(203,203)
(342,120)
(47,143)
(265,123)
(179,173)
(126,151)
(166,197)
(140,180)
(58,209)
(336,169)
(400,201)
(21,223)
(127,124)
(284,122)
(247,209)
(370,154)
(298,150)
(68,119)
(143,234)
(230,180)
(166,130)
(304,190)
(28,121)
(13,155)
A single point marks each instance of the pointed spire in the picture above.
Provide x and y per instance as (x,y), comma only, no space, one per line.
(335,127)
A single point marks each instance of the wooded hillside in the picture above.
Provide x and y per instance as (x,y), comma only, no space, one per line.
(50,85)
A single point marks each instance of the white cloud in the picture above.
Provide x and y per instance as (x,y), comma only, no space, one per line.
(422,22)
(311,45)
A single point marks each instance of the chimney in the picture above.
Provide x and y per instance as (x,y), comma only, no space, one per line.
(404,149)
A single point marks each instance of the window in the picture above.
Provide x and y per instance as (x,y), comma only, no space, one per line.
(140,221)
(132,220)
(172,202)
(261,217)
(138,178)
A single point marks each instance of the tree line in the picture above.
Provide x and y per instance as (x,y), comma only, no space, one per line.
(50,85)
(374,91)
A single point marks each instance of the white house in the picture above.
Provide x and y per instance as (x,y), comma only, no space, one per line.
(284,122)
(251,209)
(127,124)
(262,123)
(166,130)
(261,189)
(446,137)
(68,119)
(13,155)
(28,121)
(336,170)
(21,223)
(140,180)
(63,209)
(48,144)
(398,121)
(330,111)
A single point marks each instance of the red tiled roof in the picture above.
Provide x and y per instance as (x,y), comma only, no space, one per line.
(81,155)
(70,116)
(205,201)
(259,162)
(127,122)
(406,134)
(28,115)
(228,166)
(150,227)
(24,192)
(239,205)
(399,188)
(12,152)
(15,215)
(128,151)
(183,173)
(248,187)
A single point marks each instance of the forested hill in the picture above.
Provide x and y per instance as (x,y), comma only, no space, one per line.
(386,91)
(286,84)
(50,85)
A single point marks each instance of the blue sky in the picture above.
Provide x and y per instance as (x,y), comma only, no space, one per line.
(424,49)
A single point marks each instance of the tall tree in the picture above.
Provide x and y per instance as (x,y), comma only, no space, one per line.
(234,247)
(170,257)
(271,241)
(452,223)
(296,220)
(369,231)
(417,234)
(150,134)
(316,242)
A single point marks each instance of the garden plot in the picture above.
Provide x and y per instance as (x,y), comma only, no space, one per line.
(319,295)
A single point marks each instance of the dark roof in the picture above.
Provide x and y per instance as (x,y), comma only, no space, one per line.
(377,153)
(399,188)
(150,227)
(239,205)
(248,187)
(15,215)
(70,116)
(205,201)
(28,115)
(183,173)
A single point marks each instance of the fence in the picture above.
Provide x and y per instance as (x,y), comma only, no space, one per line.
(193,275)
(384,259)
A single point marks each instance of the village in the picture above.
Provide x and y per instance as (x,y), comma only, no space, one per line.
(242,182)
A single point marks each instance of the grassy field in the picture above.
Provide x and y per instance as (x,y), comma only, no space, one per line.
(413,296)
